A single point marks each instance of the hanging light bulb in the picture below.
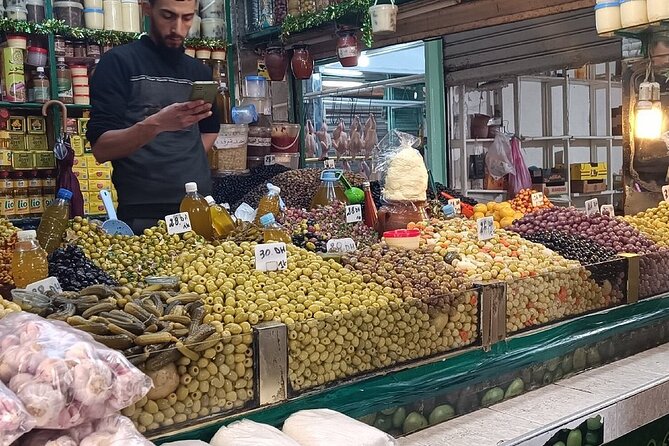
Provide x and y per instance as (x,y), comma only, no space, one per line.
(648,123)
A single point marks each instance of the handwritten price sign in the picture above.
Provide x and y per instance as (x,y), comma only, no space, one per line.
(341,245)
(271,257)
(353,213)
(178,223)
(270,160)
(665,193)
(45,285)
(537,199)
(457,205)
(329,164)
(608,210)
(591,207)
(485,227)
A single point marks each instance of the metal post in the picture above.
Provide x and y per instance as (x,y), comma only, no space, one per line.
(436,110)
(270,353)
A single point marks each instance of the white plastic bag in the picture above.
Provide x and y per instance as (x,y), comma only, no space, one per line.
(14,418)
(187,443)
(498,160)
(250,433)
(61,375)
(325,427)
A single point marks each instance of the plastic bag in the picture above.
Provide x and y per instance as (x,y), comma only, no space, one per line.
(250,433)
(114,430)
(520,178)
(325,427)
(187,443)
(63,377)
(402,169)
(499,159)
(14,418)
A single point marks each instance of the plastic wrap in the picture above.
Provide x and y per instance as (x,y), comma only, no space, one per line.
(250,433)
(403,173)
(114,430)
(63,377)
(325,427)
(520,177)
(499,159)
(14,418)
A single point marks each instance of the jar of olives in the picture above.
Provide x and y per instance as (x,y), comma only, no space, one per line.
(307,6)
(294,7)
(322,4)
(280,11)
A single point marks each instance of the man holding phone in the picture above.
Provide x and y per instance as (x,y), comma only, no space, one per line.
(144,121)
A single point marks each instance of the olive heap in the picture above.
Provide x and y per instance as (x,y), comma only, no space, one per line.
(653,223)
(75,271)
(7,242)
(311,230)
(7,307)
(232,188)
(338,325)
(542,286)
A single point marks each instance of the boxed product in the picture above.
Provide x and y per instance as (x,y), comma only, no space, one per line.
(37,143)
(5,158)
(80,162)
(80,173)
(44,160)
(77,144)
(36,125)
(17,142)
(588,186)
(83,126)
(589,171)
(99,173)
(22,161)
(71,126)
(95,185)
(17,124)
(83,187)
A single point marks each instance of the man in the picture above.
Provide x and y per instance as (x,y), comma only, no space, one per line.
(143,122)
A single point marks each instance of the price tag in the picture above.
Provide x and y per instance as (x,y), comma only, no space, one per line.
(45,285)
(608,210)
(270,160)
(178,223)
(455,202)
(665,192)
(271,257)
(591,207)
(353,213)
(486,228)
(537,199)
(329,164)
(341,245)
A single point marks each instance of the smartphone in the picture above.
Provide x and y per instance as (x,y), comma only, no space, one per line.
(204,90)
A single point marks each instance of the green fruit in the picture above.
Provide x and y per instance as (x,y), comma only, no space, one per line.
(559,443)
(548,379)
(384,423)
(441,414)
(398,417)
(516,387)
(492,396)
(414,422)
(368,419)
(575,438)
(553,364)
(389,411)
(592,438)
(594,423)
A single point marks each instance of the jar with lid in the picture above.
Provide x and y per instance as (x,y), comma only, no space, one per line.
(48,187)
(330,191)
(80,49)
(395,215)
(266,14)
(252,15)
(69,48)
(35,196)
(633,13)
(302,63)
(322,4)
(59,46)
(276,61)
(307,6)
(347,48)
(280,11)
(93,50)
(22,203)
(294,7)
(260,137)
(7,203)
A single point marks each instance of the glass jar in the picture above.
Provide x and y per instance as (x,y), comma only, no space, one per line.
(302,63)
(260,137)
(294,7)
(307,6)
(93,50)
(347,49)
(398,214)
(266,14)
(80,49)
(59,46)
(69,48)
(280,11)
(322,4)
(276,61)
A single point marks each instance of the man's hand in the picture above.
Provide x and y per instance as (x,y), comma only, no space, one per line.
(182,115)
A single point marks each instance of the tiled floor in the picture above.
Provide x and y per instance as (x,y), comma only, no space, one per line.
(521,415)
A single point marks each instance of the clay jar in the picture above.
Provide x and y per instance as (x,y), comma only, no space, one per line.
(302,63)
(347,48)
(276,61)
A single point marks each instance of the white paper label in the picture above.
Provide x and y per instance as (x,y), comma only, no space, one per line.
(229,141)
(271,257)
(353,213)
(341,245)
(347,51)
(537,199)
(178,223)
(45,285)
(665,192)
(608,210)
(262,142)
(457,205)
(485,227)
(329,164)
(591,207)
(270,160)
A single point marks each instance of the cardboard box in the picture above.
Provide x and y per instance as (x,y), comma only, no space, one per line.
(17,142)
(98,185)
(88,148)
(556,190)
(96,208)
(99,173)
(37,143)
(5,158)
(83,187)
(83,126)
(552,176)
(22,160)
(81,174)
(588,186)
(71,126)
(17,124)
(80,162)
(36,125)
(77,144)
(589,171)
(44,160)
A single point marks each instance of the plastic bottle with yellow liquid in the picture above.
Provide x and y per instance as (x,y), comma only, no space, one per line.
(220,218)
(54,221)
(273,231)
(198,212)
(29,260)
(270,203)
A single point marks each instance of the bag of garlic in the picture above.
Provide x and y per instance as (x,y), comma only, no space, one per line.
(401,168)
(14,418)
(61,375)
(325,427)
